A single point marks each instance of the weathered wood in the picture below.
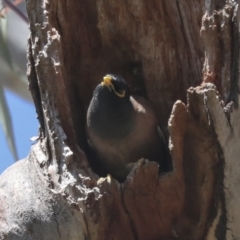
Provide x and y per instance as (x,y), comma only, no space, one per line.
(156,45)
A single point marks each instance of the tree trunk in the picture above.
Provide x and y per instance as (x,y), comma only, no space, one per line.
(183,56)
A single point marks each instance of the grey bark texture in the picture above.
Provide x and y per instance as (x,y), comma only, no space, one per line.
(184,57)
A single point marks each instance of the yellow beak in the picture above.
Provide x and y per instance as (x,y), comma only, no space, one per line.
(107,82)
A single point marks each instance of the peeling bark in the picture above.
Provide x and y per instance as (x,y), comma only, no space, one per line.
(191,79)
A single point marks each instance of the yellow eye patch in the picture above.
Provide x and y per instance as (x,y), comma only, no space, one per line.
(120,94)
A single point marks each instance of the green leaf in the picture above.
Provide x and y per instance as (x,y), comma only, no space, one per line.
(4,50)
(6,123)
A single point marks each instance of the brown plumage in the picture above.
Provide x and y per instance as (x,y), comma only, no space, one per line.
(122,128)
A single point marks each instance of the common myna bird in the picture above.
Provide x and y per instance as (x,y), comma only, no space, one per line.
(122,128)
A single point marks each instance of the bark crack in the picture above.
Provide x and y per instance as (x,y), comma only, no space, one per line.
(56,221)
(234,88)
(87,228)
(131,222)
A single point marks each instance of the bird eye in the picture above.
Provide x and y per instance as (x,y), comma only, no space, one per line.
(121,91)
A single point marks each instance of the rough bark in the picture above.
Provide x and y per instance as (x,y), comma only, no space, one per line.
(191,79)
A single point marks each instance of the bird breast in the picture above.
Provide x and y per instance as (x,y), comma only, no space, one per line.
(141,140)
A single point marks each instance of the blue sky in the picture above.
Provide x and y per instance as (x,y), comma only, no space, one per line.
(25,126)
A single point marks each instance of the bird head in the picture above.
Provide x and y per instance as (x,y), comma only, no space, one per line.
(116,85)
